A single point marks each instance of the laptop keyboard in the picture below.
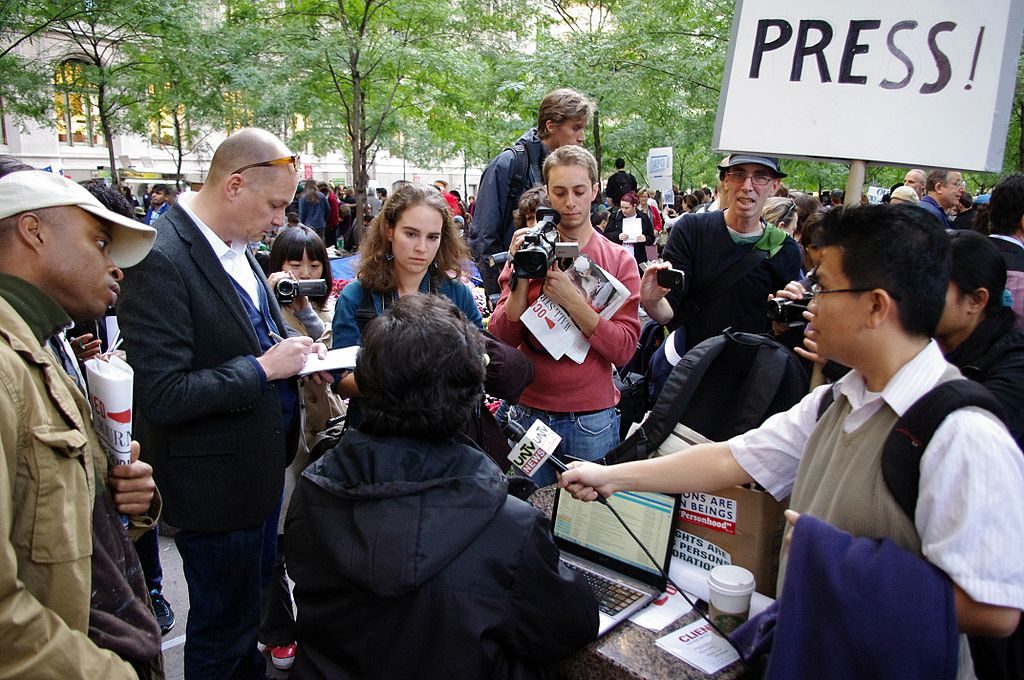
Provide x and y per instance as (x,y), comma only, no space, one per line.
(612,597)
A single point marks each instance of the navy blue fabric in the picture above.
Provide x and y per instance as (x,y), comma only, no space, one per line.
(854,608)
(263,324)
(227,572)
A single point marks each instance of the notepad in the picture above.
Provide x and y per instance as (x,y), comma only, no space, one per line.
(343,358)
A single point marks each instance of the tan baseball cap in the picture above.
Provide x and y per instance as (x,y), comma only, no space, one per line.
(34,189)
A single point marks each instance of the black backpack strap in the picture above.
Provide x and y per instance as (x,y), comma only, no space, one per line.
(764,381)
(518,176)
(682,382)
(827,400)
(365,312)
(901,457)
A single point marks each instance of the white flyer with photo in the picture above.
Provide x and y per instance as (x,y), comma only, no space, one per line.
(552,325)
(700,646)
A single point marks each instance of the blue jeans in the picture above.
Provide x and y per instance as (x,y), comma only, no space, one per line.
(226,573)
(584,437)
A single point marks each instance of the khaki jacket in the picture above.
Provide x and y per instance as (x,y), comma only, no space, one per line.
(48,480)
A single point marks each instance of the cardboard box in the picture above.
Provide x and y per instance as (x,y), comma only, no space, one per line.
(739,526)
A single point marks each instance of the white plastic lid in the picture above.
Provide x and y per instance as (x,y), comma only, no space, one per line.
(731,579)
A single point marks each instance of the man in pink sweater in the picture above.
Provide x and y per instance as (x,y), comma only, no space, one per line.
(575,400)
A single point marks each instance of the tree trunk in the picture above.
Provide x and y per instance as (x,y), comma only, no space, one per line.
(597,142)
(179,150)
(357,126)
(101,97)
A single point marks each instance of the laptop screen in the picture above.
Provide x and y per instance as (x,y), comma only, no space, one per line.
(591,531)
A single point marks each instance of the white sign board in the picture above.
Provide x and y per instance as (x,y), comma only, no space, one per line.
(659,168)
(922,83)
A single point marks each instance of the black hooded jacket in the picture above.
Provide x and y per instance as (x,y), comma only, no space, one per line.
(410,560)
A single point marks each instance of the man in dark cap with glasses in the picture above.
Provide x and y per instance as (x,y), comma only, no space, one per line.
(731,260)
(216,390)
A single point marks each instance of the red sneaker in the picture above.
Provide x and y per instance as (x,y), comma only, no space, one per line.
(283,657)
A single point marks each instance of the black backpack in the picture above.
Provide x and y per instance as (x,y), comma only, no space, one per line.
(994,658)
(724,386)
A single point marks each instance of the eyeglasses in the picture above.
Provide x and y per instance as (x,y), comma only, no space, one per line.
(816,290)
(287,160)
(758,179)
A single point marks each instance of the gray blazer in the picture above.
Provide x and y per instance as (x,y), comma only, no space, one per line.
(206,423)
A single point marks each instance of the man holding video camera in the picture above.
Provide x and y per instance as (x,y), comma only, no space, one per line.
(217,397)
(577,401)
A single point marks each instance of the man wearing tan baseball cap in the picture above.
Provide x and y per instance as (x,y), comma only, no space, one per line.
(63,550)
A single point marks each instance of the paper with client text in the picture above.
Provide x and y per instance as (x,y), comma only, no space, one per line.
(700,646)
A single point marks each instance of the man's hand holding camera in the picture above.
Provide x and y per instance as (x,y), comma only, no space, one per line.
(652,292)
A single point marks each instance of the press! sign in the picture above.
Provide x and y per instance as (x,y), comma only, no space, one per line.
(890,82)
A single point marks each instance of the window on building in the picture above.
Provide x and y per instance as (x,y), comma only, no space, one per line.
(78,117)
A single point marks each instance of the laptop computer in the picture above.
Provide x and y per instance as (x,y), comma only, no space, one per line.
(593,542)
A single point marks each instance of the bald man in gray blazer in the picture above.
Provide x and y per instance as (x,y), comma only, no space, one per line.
(216,391)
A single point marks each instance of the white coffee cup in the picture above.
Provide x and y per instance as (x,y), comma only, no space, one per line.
(730,588)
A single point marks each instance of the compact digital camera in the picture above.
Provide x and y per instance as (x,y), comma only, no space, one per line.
(286,290)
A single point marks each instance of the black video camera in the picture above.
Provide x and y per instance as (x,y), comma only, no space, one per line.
(541,247)
(286,290)
(788,311)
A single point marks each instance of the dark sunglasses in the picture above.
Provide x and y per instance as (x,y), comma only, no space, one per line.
(287,160)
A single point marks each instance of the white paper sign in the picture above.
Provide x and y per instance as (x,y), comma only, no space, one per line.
(633,228)
(110,394)
(700,646)
(890,82)
(659,168)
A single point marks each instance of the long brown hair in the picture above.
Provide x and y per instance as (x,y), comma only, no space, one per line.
(376,272)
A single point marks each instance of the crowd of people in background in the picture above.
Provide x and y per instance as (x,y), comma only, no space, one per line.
(926,286)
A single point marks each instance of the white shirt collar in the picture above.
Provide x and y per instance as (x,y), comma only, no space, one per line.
(1011,239)
(221,249)
(916,377)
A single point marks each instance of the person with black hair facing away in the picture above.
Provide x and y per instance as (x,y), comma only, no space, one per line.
(628,210)
(619,184)
(298,254)
(410,558)
(879,293)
